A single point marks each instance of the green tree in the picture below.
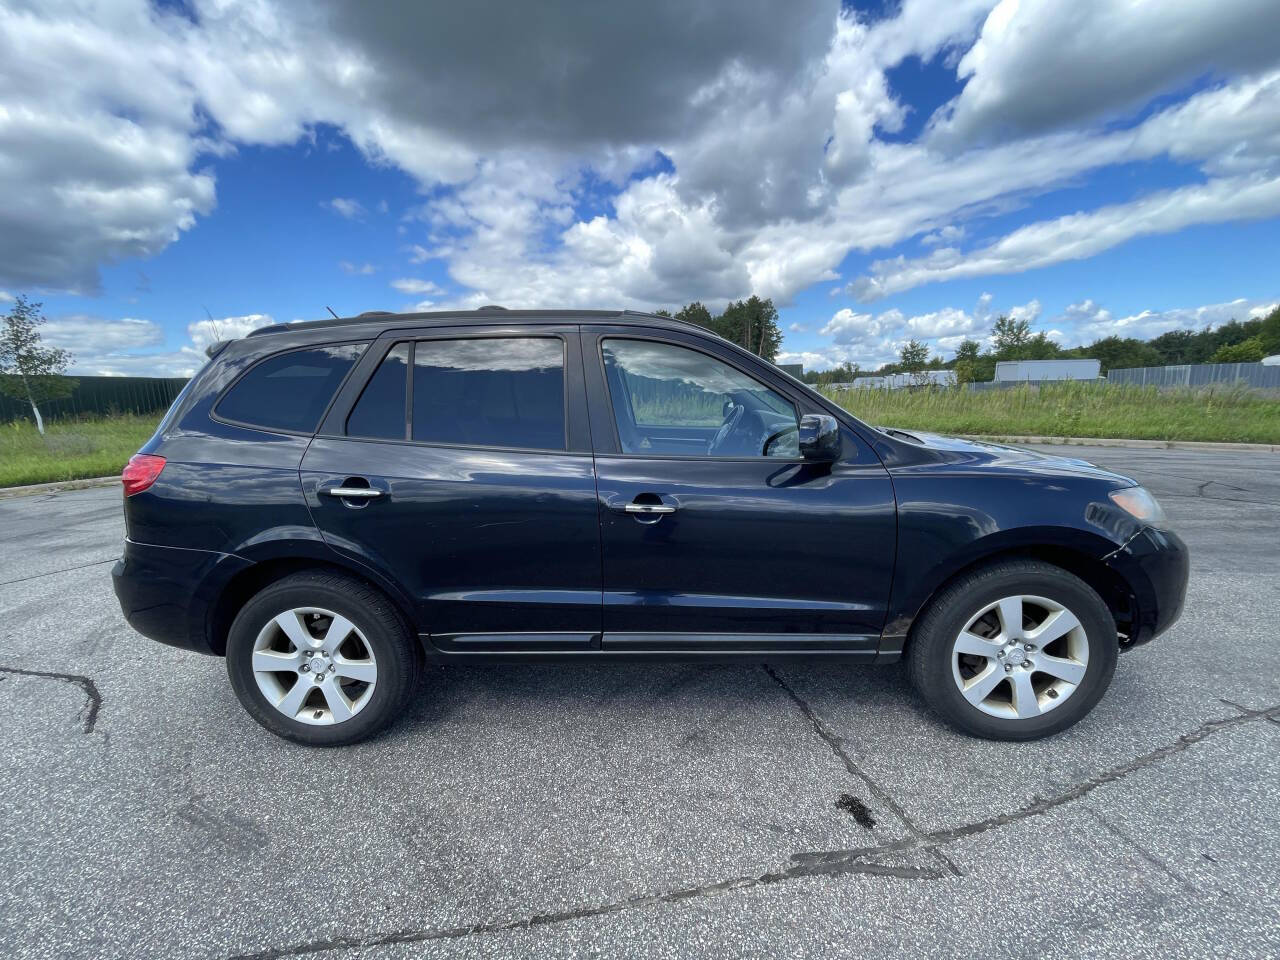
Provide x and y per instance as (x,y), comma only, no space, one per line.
(913,356)
(695,313)
(1246,351)
(966,361)
(28,370)
(1011,337)
(1040,347)
(1179,346)
(1117,353)
(751,323)
(1269,333)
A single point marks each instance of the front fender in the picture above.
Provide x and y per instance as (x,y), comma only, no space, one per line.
(921,574)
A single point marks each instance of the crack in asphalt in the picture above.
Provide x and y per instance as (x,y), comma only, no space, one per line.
(544,919)
(93,699)
(806,864)
(836,743)
(1142,851)
(50,573)
(1040,806)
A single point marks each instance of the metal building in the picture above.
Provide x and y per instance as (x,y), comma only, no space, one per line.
(1036,371)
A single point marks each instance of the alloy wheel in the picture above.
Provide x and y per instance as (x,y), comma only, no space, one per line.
(1020,657)
(314,666)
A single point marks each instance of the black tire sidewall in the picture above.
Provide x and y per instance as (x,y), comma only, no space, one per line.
(932,647)
(371,614)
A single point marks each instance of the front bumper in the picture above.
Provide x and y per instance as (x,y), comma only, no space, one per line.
(1155,564)
(167,593)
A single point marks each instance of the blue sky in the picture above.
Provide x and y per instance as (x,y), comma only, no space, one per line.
(893,172)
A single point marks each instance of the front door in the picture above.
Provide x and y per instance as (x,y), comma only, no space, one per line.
(715,533)
(473,446)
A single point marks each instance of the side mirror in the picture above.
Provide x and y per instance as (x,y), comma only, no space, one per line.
(819,437)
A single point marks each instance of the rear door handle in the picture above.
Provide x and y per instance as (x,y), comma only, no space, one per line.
(352,493)
(648,508)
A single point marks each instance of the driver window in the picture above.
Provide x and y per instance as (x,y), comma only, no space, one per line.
(672,400)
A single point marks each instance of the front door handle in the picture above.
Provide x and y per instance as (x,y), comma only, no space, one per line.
(351,493)
(649,508)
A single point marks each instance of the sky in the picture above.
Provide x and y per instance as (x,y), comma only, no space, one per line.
(174,173)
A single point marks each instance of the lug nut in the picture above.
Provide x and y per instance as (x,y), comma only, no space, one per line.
(1029,647)
(1008,668)
(306,667)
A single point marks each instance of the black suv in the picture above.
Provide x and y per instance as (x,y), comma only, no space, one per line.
(330,505)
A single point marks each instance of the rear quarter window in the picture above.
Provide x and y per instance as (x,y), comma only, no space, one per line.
(289,391)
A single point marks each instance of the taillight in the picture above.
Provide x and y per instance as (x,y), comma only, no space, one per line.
(141,472)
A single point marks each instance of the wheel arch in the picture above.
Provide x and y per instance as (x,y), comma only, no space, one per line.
(1083,556)
(275,566)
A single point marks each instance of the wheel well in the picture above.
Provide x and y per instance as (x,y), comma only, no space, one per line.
(253,579)
(1106,583)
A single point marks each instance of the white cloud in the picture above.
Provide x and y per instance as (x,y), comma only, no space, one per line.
(1040,66)
(99,144)
(947,235)
(356,269)
(797,328)
(414,286)
(346,207)
(871,340)
(771,115)
(86,335)
(1080,235)
(1090,321)
(102,347)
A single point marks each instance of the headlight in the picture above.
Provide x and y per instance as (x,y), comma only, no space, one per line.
(1138,503)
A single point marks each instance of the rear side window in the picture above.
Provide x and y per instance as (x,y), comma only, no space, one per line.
(289,391)
(380,411)
(493,392)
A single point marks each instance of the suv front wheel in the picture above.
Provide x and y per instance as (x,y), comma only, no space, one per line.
(1014,651)
(321,659)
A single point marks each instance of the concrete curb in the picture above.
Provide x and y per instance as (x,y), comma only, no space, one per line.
(38,488)
(1136,444)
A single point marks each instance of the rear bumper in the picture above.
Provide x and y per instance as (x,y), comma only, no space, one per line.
(166,593)
(1155,564)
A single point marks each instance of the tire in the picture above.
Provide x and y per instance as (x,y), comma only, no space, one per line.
(354,691)
(962,640)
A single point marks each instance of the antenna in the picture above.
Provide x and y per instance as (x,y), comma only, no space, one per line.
(330,309)
(217,333)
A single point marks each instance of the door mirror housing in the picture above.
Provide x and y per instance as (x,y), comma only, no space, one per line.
(819,437)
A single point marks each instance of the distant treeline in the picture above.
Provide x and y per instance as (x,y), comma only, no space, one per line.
(1238,341)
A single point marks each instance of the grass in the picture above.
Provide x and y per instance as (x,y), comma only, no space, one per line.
(96,448)
(70,449)
(1227,413)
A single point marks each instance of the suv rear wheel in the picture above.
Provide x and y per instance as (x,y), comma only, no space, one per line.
(321,659)
(1014,651)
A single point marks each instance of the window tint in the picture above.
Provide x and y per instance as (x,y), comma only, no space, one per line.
(670,399)
(291,390)
(380,410)
(498,391)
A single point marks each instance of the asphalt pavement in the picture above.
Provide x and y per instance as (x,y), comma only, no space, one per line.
(648,810)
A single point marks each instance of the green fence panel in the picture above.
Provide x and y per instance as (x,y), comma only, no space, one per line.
(101,397)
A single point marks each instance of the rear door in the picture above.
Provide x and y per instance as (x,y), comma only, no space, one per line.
(473,450)
(716,534)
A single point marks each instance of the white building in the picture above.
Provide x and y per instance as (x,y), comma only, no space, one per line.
(1035,371)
